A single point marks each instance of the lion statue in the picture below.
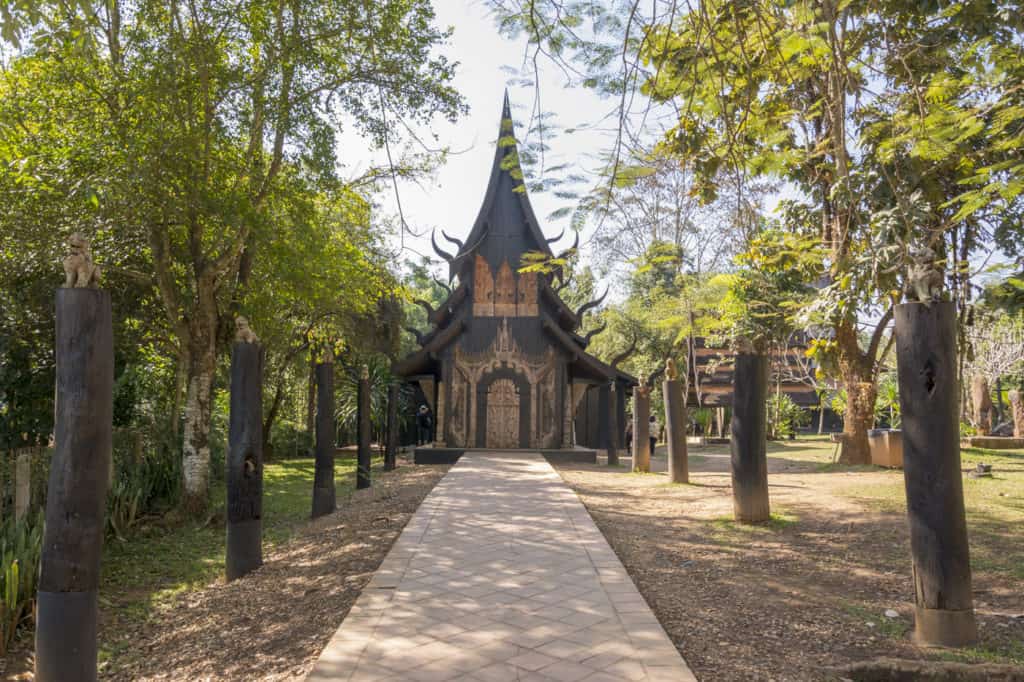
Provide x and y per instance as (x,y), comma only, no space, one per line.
(243,332)
(924,278)
(79,270)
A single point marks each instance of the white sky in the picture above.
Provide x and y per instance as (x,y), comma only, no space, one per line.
(452,198)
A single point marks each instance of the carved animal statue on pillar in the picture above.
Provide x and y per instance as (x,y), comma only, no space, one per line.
(243,332)
(924,278)
(79,270)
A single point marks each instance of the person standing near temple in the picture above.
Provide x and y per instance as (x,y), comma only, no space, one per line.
(423,423)
(654,428)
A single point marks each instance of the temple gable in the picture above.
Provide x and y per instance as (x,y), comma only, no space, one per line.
(503,363)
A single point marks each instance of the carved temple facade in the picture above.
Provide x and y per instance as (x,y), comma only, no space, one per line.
(502,365)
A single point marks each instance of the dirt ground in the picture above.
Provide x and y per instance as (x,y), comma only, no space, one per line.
(272,624)
(802,595)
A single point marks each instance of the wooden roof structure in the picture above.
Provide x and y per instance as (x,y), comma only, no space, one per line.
(711,374)
(505,229)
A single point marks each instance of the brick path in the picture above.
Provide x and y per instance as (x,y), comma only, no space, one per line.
(501,575)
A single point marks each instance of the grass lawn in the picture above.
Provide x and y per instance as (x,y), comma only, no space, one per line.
(995,508)
(156,563)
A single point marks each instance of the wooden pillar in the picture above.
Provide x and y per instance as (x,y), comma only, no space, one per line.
(613,426)
(926,366)
(76,497)
(363,454)
(323,478)
(1016,399)
(567,409)
(981,405)
(22,484)
(999,401)
(245,461)
(675,428)
(439,427)
(641,429)
(391,429)
(749,458)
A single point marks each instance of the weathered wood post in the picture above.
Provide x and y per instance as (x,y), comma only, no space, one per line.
(1016,399)
(748,431)
(363,434)
(675,426)
(391,429)
(641,429)
(613,426)
(66,609)
(22,484)
(245,455)
(926,368)
(323,478)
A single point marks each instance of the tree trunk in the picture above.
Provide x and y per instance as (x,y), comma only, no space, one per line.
(391,429)
(861,391)
(311,399)
(180,374)
(198,409)
(981,405)
(1017,410)
(821,414)
(268,423)
(858,417)
(363,454)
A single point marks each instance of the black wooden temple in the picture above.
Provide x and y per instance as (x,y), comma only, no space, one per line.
(502,366)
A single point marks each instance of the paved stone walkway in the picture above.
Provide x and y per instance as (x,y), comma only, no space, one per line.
(501,575)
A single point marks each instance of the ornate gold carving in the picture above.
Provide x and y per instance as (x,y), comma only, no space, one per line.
(526,301)
(502,415)
(505,295)
(505,292)
(539,371)
(483,288)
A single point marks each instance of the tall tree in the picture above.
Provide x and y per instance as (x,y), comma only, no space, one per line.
(205,107)
(791,90)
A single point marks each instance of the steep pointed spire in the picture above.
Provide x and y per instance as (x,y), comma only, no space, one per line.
(506,129)
(505,212)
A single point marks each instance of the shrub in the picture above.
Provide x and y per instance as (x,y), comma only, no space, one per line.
(146,480)
(20,545)
(288,439)
(784,416)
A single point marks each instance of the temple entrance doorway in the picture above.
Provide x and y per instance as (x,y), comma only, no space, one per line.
(502,415)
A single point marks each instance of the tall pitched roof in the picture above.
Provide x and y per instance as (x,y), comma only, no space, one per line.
(505,192)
